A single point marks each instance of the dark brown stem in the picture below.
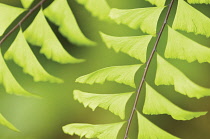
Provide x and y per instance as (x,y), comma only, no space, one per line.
(146,69)
(21,21)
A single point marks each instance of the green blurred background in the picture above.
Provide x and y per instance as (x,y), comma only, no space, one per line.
(44,118)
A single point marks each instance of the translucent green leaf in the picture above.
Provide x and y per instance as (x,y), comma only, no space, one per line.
(189,19)
(157,2)
(6,123)
(156,104)
(9,82)
(119,74)
(60,13)
(113,102)
(144,18)
(103,131)
(26,3)
(199,1)
(181,47)
(167,74)
(148,130)
(8,15)
(39,33)
(20,52)
(134,46)
(95,7)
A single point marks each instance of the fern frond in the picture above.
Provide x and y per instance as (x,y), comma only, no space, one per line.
(199,1)
(26,3)
(189,19)
(113,102)
(119,74)
(103,131)
(134,46)
(167,74)
(8,15)
(144,18)
(148,130)
(50,45)
(156,104)
(6,123)
(181,47)
(60,14)
(157,2)
(98,8)
(9,82)
(20,52)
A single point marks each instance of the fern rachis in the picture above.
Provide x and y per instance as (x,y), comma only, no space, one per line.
(146,69)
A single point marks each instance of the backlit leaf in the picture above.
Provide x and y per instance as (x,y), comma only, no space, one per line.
(20,52)
(8,15)
(189,19)
(148,130)
(39,33)
(60,13)
(134,46)
(144,18)
(103,131)
(167,74)
(95,7)
(26,3)
(6,123)
(157,2)
(9,82)
(119,74)
(113,102)
(199,1)
(156,104)
(181,47)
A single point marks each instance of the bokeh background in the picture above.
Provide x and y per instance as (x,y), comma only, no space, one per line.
(44,118)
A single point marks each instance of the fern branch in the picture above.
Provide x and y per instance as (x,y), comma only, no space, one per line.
(146,69)
(22,20)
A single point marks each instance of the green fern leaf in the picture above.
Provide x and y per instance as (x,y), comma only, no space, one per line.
(113,102)
(156,104)
(8,15)
(119,74)
(134,46)
(199,1)
(181,47)
(103,131)
(95,7)
(26,3)
(9,82)
(21,53)
(157,2)
(167,74)
(144,18)
(50,45)
(189,19)
(60,13)
(148,130)
(6,123)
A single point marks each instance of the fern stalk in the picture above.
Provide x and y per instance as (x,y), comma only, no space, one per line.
(146,69)
(22,20)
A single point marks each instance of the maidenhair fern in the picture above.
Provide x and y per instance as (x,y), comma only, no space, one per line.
(38,33)
(178,46)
